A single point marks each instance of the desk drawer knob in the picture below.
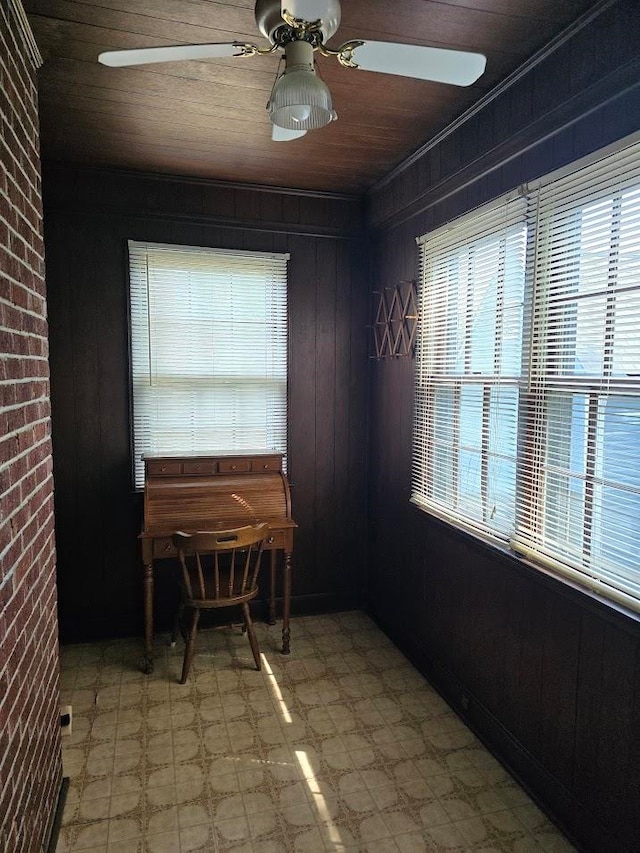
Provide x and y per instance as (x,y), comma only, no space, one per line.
(233,467)
(271,540)
(167,546)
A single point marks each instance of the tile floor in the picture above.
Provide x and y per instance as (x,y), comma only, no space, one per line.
(341,746)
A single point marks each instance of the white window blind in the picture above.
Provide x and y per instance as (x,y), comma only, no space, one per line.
(579,496)
(527,424)
(468,368)
(208,351)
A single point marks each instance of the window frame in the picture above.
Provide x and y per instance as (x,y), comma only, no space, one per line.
(601,580)
(139,341)
(506,216)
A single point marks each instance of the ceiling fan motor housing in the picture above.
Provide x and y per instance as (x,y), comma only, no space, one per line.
(269,18)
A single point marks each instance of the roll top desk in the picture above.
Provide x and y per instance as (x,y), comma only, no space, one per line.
(191,493)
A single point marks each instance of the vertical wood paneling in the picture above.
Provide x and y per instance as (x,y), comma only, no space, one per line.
(302,398)
(117,525)
(326,498)
(558,694)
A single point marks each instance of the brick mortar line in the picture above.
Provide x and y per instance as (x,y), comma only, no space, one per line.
(21,382)
(29,95)
(13,356)
(38,488)
(30,269)
(35,335)
(51,554)
(14,159)
(49,548)
(38,213)
(27,545)
(24,453)
(6,328)
(27,450)
(20,236)
(10,177)
(29,290)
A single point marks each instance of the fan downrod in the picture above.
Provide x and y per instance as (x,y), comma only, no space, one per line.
(269,19)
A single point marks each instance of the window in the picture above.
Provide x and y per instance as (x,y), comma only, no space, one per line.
(527,423)
(208,351)
(468,369)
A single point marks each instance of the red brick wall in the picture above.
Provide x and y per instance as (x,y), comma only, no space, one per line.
(30,762)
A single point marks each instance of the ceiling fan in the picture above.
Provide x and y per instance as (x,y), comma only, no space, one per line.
(300,100)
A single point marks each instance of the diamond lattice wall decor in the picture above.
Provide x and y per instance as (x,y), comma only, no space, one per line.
(396,320)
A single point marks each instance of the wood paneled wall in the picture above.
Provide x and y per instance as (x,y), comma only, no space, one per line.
(547,675)
(88,218)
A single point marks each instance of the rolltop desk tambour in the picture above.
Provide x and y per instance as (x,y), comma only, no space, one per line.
(192,493)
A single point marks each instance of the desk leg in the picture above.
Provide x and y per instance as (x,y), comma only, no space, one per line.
(286,604)
(148,619)
(273,556)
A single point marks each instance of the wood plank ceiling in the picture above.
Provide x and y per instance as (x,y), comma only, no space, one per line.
(208,118)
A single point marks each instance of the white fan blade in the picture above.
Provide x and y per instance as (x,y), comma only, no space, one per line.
(424,63)
(172,53)
(308,10)
(283,134)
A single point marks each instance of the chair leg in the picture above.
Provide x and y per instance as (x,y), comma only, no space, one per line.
(176,624)
(191,645)
(248,624)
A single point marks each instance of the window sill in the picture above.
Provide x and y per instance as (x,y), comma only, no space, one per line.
(579,594)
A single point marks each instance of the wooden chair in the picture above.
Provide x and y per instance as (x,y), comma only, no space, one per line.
(218,570)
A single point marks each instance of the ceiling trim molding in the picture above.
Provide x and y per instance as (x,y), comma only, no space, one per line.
(189,179)
(606,91)
(544,52)
(207,221)
(24,28)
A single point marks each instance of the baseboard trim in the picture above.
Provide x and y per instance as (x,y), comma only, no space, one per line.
(571,816)
(329,602)
(301,605)
(56,822)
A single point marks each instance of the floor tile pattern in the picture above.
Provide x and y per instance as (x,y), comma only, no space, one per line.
(342,746)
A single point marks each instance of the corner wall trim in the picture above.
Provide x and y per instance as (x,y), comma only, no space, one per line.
(26,32)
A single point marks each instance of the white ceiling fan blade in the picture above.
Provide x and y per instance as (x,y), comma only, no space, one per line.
(457,67)
(310,10)
(172,53)
(283,134)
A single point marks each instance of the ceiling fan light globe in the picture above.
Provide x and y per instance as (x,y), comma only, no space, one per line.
(300,101)
(300,113)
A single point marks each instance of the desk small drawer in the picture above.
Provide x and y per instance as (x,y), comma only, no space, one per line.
(163,548)
(206,467)
(267,463)
(163,469)
(275,540)
(234,466)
